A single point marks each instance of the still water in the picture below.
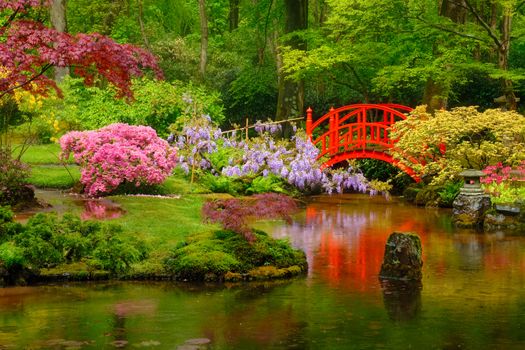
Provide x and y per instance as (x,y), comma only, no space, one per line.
(473,294)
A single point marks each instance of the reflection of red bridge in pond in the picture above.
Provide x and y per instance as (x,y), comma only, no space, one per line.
(357,131)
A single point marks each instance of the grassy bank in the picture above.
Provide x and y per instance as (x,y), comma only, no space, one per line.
(42,154)
(161,235)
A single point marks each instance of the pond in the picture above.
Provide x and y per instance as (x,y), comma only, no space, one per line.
(472,295)
(61,202)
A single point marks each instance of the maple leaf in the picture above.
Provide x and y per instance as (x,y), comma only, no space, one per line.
(28,49)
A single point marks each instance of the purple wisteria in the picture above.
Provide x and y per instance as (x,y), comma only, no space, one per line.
(295,161)
(198,138)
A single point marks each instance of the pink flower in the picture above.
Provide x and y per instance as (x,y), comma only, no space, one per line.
(119,153)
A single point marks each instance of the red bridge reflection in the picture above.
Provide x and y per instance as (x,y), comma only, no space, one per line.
(344,239)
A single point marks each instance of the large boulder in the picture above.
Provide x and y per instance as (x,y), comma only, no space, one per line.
(469,211)
(403,257)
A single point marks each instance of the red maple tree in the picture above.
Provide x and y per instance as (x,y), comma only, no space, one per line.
(28,49)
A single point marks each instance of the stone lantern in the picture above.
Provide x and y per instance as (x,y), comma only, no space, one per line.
(472,184)
(472,203)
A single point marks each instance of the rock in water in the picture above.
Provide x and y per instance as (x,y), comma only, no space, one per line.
(402,260)
(470,210)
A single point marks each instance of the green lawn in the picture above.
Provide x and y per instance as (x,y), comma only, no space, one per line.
(162,222)
(41,154)
(54,176)
(48,172)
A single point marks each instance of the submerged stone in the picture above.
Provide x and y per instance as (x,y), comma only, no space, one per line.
(402,259)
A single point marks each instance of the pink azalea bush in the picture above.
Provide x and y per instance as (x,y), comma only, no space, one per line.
(505,184)
(117,154)
(500,173)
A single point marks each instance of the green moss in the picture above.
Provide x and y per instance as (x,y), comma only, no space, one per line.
(429,196)
(227,255)
(465,221)
(410,193)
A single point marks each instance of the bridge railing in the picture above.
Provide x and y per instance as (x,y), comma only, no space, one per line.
(355,127)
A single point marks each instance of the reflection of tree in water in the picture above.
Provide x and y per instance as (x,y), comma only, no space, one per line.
(320,224)
(257,315)
(122,311)
(100,209)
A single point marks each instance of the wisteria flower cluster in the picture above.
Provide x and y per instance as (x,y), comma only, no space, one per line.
(294,161)
(198,138)
(117,154)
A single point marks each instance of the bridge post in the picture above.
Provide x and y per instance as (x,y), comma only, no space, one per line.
(309,123)
(333,132)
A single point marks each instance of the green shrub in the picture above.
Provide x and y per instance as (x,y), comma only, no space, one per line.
(115,252)
(264,251)
(449,192)
(226,251)
(46,241)
(37,241)
(12,256)
(270,183)
(429,196)
(8,227)
(196,265)
(13,178)
(6,215)
(374,169)
(222,184)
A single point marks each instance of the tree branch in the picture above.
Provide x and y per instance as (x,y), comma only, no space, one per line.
(449,30)
(266,30)
(484,24)
(10,19)
(519,6)
(33,78)
(342,83)
(357,77)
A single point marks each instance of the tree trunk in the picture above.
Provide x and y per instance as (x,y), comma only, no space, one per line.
(234,15)
(204,38)
(290,101)
(503,62)
(434,96)
(436,93)
(456,10)
(59,22)
(141,24)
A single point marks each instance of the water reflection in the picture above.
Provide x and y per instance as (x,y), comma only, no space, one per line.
(473,294)
(99,209)
(61,202)
(402,299)
(344,239)
(125,309)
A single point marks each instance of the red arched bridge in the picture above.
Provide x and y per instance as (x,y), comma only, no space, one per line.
(357,131)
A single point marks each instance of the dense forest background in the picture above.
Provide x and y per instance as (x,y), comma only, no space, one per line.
(273,58)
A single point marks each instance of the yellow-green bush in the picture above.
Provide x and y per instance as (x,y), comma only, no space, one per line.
(472,139)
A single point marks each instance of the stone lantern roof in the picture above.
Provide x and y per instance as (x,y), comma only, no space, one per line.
(472,173)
